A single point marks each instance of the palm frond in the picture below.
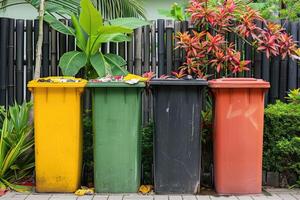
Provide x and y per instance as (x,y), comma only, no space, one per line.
(112,9)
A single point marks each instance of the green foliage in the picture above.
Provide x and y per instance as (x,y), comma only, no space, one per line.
(177,12)
(90,32)
(110,9)
(147,153)
(294,96)
(281,140)
(278,9)
(2,115)
(88,149)
(121,8)
(16,147)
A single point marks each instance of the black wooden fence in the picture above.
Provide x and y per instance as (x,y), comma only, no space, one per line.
(152,48)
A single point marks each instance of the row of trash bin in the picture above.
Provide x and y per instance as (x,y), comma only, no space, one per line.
(238,135)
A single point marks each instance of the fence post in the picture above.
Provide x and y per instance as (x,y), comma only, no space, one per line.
(169,46)
(20,61)
(161,46)
(3,60)
(29,56)
(11,66)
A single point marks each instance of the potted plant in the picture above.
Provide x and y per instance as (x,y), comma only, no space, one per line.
(116,104)
(239,104)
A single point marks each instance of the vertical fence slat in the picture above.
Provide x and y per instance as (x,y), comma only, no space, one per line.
(4,22)
(113,47)
(161,46)
(71,39)
(36,35)
(45,54)
(11,66)
(274,77)
(146,36)
(53,53)
(62,44)
(138,51)
(130,56)
(258,59)
(292,68)
(248,56)
(184,28)
(177,58)
(122,49)
(153,46)
(283,72)
(29,56)
(20,61)
(169,46)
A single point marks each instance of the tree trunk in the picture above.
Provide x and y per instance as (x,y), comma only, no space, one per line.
(38,57)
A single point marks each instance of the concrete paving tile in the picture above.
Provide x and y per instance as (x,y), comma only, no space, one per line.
(244,197)
(115,197)
(137,197)
(100,197)
(86,197)
(63,197)
(189,197)
(223,197)
(39,197)
(286,196)
(161,197)
(203,197)
(175,197)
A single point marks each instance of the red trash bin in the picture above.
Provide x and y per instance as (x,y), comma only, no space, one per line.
(238,134)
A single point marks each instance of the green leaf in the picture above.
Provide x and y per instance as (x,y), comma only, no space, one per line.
(94,42)
(116,37)
(58,25)
(98,63)
(129,22)
(114,29)
(90,18)
(80,37)
(116,62)
(71,62)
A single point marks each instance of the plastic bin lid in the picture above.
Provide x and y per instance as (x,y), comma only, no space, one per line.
(178,82)
(115,85)
(238,83)
(57,82)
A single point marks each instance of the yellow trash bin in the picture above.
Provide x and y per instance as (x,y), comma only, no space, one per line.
(58,133)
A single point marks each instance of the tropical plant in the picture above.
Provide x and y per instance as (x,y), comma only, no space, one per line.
(110,9)
(277,9)
(2,115)
(177,12)
(91,32)
(16,152)
(209,49)
(294,96)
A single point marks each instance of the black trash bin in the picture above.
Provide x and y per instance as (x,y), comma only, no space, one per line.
(177,135)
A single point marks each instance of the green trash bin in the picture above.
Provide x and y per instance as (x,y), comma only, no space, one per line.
(117,141)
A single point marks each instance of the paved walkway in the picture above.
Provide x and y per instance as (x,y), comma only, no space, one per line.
(268,194)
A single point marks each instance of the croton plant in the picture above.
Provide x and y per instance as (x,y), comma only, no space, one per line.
(208,47)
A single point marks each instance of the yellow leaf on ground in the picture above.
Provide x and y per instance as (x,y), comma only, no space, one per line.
(145,189)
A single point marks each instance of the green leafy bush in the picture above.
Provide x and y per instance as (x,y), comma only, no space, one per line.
(278,9)
(282,141)
(294,96)
(88,149)
(147,153)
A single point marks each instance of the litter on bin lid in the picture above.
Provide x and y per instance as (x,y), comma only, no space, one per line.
(58,80)
(130,79)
